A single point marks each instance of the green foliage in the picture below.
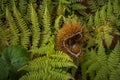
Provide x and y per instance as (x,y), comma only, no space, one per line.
(109,9)
(23,6)
(96,4)
(35,27)
(107,12)
(69,7)
(4,36)
(25,32)
(90,22)
(57,23)
(15,32)
(46,68)
(103,14)
(53,65)
(34,24)
(46,26)
(116,8)
(103,34)
(99,66)
(11,60)
(97,19)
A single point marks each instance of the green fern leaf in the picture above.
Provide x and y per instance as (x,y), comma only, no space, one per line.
(23,6)
(102,73)
(116,7)
(114,58)
(90,57)
(90,22)
(103,14)
(109,9)
(25,32)
(115,75)
(46,27)
(48,67)
(35,27)
(97,19)
(57,23)
(13,27)
(93,5)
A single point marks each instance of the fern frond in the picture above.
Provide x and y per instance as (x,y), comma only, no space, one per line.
(4,36)
(25,32)
(115,75)
(99,63)
(15,38)
(103,14)
(35,27)
(48,67)
(102,66)
(93,5)
(114,58)
(96,4)
(57,23)
(60,56)
(46,26)
(116,7)
(46,21)
(90,57)
(42,7)
(23,6)
(90,21)
(57,76)
(100,60)
(41,11)
(109,9)
(32,1)
(61,8)
(103,33)
(97,19)
(102,73)
(114,63)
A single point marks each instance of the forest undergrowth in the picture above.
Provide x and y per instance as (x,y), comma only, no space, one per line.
(59,39)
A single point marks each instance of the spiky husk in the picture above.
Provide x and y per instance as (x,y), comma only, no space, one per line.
(70,31)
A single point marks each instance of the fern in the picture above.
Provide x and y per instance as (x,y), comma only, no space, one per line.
(35,27)
(41,11)
(115,74)
(23,6)
(46,21)
(57,23)
(32,1)
(103,14)
(90,57)
(15,38)
(109,9)
(25,32)
(4,36)
(107,12)
(49,67)
(100,66)
(60,10)
(116,7)
(103,33)
(97,19)
(114,63)
(90,22)
(96,4)
(46,26)
(42,7)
